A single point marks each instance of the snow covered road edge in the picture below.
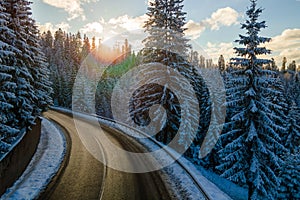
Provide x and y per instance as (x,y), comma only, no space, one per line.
(43,167)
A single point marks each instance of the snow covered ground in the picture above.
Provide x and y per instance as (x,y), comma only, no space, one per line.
(234,191)
(43,166)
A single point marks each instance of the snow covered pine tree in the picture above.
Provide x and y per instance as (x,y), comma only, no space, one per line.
(251,153)
(25,88)
(8,127)
(167,45)
(290,177)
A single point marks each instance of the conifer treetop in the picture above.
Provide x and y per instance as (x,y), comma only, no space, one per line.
(252,41)
(165,26)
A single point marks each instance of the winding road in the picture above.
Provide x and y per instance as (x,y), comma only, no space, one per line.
(85,177)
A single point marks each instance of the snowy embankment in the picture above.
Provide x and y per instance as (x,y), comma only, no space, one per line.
(43,166)
(9,147)
(215,187)
(175,176)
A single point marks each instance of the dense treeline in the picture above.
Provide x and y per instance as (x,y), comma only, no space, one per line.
(24,83)
(65,52)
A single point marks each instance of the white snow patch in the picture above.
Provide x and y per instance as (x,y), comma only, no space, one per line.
(233,190)
(43,166)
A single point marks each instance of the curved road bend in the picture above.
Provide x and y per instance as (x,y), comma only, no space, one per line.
(87,178)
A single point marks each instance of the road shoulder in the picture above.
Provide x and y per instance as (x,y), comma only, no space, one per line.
(43,167)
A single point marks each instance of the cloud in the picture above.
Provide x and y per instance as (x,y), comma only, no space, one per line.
(116,26)
(128,23)
(49,26)
(287,44)
(194,29)
(117,29)
(94,27)
(222,17)
(289,38)
(72,7)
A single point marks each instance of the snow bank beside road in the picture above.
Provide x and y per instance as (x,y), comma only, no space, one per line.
(43,166)
(176,176)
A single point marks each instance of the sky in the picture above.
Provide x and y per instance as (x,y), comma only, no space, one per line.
(213,25)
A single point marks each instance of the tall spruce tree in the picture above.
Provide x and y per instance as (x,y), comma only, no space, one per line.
(291,82)
(221,63)
(290,177)
(38,69)
(86,47)
(292,137)
(63,52)
(58,69)
(19,12)
(25,89)
(8,126)
(251,141)
(167,45)
(165,27)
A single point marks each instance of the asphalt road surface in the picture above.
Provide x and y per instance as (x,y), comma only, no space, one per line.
(85,177)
